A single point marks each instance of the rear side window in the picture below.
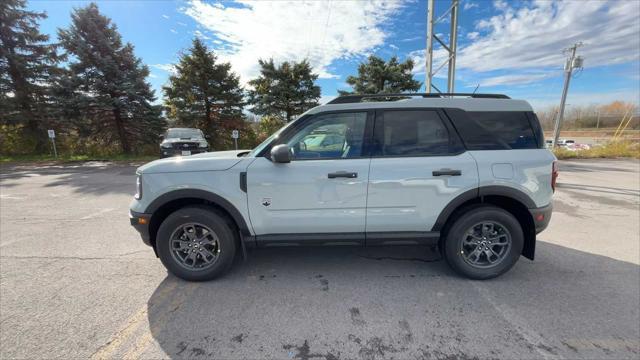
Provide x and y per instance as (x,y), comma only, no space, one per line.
(411,133)
(496,130)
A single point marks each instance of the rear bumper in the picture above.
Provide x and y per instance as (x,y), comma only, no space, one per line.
(541,217)
(140,222)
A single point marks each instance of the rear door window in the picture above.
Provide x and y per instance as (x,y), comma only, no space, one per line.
(411,133)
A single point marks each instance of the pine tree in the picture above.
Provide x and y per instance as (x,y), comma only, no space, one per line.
(27,61)
(378,77)
(106,84)
(205,94)
(285,90)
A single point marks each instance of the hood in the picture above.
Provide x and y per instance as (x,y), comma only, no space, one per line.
(210,161)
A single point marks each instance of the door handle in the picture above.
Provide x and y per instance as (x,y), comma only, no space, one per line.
(342,174)
(446,172)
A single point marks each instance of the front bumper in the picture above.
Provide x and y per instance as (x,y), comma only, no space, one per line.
(140,222)
(541,217)
(178,152)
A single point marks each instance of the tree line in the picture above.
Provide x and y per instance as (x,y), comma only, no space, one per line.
(91,88)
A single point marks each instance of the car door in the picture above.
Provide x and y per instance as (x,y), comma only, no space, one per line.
(418,166)
(320,196)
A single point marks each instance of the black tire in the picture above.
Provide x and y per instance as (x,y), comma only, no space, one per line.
(203,218)
(457,254)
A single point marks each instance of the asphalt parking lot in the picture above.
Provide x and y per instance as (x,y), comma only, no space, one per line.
(77,282)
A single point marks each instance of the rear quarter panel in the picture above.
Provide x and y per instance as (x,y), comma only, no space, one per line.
(527,170)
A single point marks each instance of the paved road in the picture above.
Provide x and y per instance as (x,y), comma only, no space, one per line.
(76,282)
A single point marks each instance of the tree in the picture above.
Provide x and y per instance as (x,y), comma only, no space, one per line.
(378,77)
(27,61)
(269,125)
(204,93)
(105,85)
(284,90)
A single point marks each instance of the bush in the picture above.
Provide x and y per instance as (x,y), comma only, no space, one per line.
(613,149)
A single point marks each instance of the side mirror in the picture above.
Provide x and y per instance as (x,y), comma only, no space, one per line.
(161,136)
(281,154)
(207,136)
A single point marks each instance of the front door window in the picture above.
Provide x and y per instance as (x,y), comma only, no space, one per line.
(330,136)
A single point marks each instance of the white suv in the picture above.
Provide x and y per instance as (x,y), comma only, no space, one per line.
(467,172)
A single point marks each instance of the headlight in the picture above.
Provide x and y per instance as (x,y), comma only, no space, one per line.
(165,145)
(203,144)
(138,194)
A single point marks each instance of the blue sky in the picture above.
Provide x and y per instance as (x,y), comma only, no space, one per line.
(510,47)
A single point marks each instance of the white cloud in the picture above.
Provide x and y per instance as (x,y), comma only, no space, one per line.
(173,31)
(200,35)
(473,35)
(534,36)
(470,5)
(531,38)
(394,47)
(170,68)
(515,79)
(165,16)
(319,31)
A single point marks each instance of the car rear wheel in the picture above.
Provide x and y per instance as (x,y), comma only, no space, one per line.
(196,244)
(484,242)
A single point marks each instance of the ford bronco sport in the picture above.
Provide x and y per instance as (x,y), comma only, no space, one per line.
(466,172)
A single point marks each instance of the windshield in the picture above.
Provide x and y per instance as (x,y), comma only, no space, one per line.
(183,133)
(265,143)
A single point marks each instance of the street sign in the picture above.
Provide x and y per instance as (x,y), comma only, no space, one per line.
(52,136)
(235,135)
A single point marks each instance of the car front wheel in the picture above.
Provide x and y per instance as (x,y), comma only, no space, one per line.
(196,244)
(484,242)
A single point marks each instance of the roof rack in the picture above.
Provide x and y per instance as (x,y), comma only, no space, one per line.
(358,98)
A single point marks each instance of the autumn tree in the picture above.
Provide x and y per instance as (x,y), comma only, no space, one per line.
(105,86)
(284,90)
(204,93)
(377,77)
(269,125)
(27,62)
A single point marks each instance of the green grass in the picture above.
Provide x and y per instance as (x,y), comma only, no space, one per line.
(72,158)
(614,149)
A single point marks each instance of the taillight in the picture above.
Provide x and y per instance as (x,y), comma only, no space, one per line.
(554,175)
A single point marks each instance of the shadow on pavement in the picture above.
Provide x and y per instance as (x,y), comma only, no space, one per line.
(332,303)
(94,177)
(593,166)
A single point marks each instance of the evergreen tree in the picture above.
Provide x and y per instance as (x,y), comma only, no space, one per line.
(284,91)
(27,61)
(205,94)
(378,77)
(105,84)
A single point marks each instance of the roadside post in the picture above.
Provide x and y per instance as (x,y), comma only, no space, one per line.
(52,136)
(235,134)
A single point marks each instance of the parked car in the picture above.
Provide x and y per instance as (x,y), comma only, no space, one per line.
(469,174)
(565,142)
(183,142)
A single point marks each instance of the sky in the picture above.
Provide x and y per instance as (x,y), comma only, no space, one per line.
(509,47)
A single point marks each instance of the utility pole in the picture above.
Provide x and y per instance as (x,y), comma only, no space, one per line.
(451,48)
(573,62)
(429,55)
